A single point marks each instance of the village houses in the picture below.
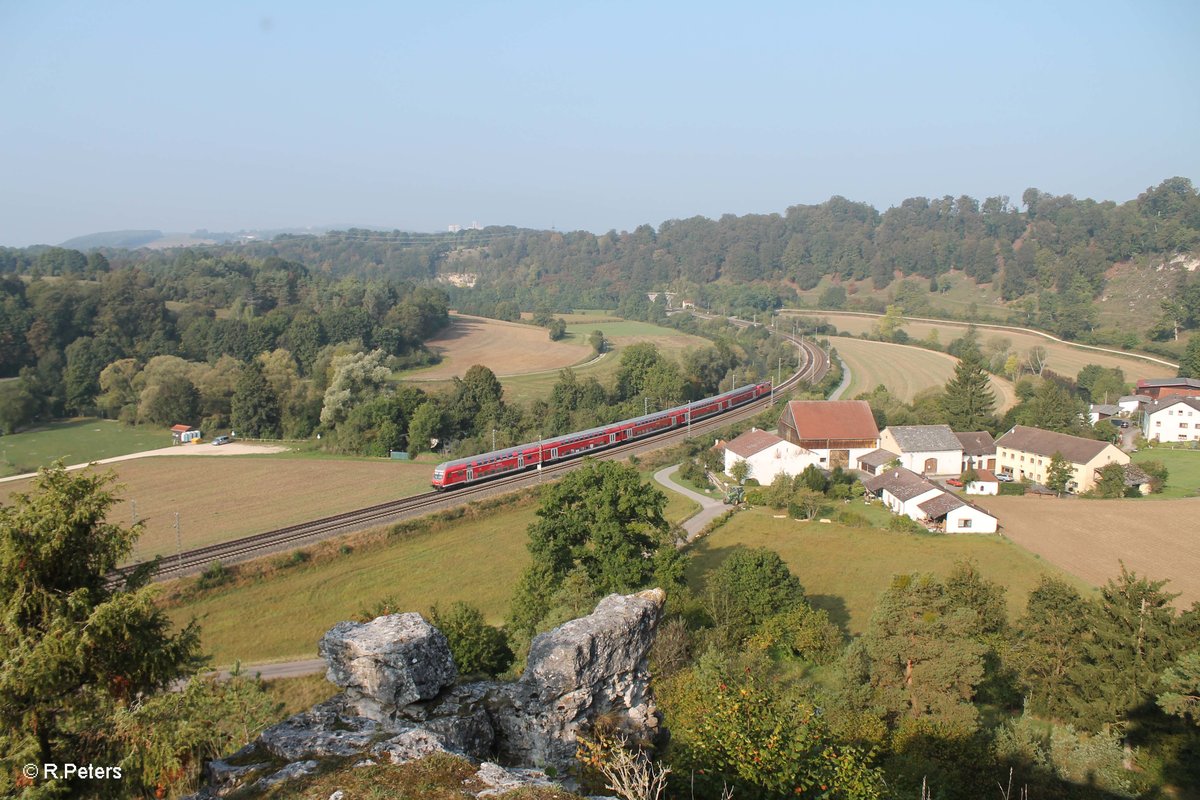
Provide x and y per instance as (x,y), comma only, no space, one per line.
(1024,454)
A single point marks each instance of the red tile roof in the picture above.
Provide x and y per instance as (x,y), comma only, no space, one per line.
(832,419)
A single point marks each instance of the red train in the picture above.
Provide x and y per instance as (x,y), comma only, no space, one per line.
(512,459)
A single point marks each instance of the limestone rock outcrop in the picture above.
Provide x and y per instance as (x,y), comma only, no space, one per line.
(400,700)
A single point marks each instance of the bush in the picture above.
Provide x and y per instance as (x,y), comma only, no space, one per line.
(478,648)
(215,574)
(902,524)
(851,519)
(1013,489)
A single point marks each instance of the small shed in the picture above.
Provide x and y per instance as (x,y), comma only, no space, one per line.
(985,483)
(874,461)
(184,434)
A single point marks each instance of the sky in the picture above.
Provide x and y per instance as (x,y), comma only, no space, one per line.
(224,116)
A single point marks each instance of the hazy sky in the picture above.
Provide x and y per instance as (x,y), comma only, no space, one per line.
(184,115)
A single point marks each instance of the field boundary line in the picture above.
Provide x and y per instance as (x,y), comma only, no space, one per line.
(993,326)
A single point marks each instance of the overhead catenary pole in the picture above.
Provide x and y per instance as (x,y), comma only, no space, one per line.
(178,540)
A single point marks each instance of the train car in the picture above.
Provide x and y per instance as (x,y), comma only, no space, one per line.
(485,466)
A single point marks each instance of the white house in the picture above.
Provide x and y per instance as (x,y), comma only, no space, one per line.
(902,491)
(1132,403)
(955,515)
(1173,419)
(905,492)
(767,455)
(985,483)
(1099,411)
(925,449)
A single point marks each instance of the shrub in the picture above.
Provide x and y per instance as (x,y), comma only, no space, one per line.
(1014,489)
(215,574)
(478,648)
(902,524)
(851,519)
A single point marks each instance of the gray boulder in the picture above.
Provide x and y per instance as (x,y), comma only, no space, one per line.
(388,663)
(592,666)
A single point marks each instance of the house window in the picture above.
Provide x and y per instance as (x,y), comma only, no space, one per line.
(964,523)
(1183,424)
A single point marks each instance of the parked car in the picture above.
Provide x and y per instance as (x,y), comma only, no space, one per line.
(221,440)
(955,482)
(1004,477)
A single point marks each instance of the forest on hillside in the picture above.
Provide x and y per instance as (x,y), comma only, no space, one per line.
(1050,252)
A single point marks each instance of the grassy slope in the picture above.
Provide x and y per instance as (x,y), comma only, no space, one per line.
(77,441)
(477,562)
(1183,470)
(844,570)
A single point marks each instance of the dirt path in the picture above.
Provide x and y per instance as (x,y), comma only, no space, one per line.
(203,449)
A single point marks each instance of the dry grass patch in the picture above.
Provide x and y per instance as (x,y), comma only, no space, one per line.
(219,499)
(844,570)
(1090,538)
(904,370)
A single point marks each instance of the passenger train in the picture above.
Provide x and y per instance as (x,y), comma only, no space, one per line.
(486,466)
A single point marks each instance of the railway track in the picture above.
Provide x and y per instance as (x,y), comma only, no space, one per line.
(813,366)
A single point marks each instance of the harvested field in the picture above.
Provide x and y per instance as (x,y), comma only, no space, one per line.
(1089,538)
(1062,358)
(903,369)
(223,498)
(506,348)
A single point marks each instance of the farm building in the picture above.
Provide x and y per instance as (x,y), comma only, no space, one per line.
(767,455)
(909,494)
(1099,411)
(1159,388)
(184,434)
(979,450)
(954,515)
(902,491)
(838,431)
(927,449)
(874,462)
(985,483)
(1025,453)
(1132,403)
(1172,419)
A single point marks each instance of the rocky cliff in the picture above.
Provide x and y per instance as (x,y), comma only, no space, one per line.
(401,701)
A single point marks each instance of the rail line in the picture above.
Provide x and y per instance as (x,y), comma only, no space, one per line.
(813,367)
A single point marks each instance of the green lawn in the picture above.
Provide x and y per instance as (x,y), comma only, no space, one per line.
(76,442)
(282,617)
(1183,470)
(477,561)
(844,570)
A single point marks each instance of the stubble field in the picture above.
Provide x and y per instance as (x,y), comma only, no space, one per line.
(506,348)
(219,499)
(903,369)
(1091,538)
(1062,358)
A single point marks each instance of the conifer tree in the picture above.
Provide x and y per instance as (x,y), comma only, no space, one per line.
(925,659)
(76,651)
(254,408)
(968,402)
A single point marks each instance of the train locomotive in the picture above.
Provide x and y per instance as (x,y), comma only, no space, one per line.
(485,466)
